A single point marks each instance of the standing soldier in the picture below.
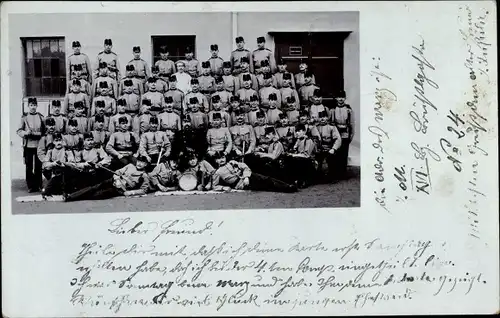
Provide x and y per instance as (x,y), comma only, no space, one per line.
(316,105)
(78,58)
(254,110)
(114,124)
(73,140)
(100,107)
(343,118)
(154,143)
(46,142)
(306,91)
(234,105)
(267,90)
(273,113)
(262,54)
(246,91)
(300,76)
(287,90)
(59,119)
(122,145)
(206,81)
(329,145)
(100,133)
(199,119)
(156,98)
(141,67)
(215,61)
(260,132)
(231,82)
(109,102)
(281,72)
(104,77)
(238,54)
(243,136)
(81,118)
(84,83)
(245,71)
(161,84)
(217,109)
(265,70)
(292,110)
(140,123)
(131,98)
(175,94)
(286,133)
(137,85)
(75,95)
(165,65)
(31,130)
(191,64)
(110,58)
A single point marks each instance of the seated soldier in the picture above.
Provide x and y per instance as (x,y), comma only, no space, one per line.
(292,110)
(317,106)
(165,176)
(140,124)
(154,145)
(161,84)
(196,93)
(55,163)
(113,121)
(234,106)
(300,160)
(206,80)
(199,120)
(286,133)
(217,109)
(237,175)
(129,180)
(135,85)
(99,111)
(218,137)
(268,162)
(170,122)
(156,98)
(223,94)
(132,100)
(109,102)
(273,113)
(101,136)
(177,96)
(122,145)
(73,140)
(243,136)
(81,118)
(199,168)
(330,143)
(60,119)
(254,109)
(260,132)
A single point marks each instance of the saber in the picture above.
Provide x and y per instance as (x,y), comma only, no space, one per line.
(159,156)
(243,155)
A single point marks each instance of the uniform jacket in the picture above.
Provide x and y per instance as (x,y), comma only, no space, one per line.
(305,146)
(179,98)
(61,122)
(264,96)
(286,135)
(273,116)
(243,133)
(305,93)
(113,122)
(112,84)
(230,174)
(133,103)
(71,98)
(216,65)
(35,124)
(279,80)
(45,144)
(236,56)
(231,83)
(244,94)
(330,137)
(152,142)
(138,86)
(101,137)
(219,139)
(286,92)
(343,118)
(111,59)
(141,67)
(260,55)
(122,142)
(260,80)
(299,80)
(204,105)
(255,82)
(166,67)
(78,59)
(109,105)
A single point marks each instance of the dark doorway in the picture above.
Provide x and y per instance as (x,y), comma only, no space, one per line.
(323,52)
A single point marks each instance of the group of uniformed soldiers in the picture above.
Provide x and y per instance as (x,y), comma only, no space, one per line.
(261,127)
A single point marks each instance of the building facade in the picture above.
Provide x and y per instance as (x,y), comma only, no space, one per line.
(39,45)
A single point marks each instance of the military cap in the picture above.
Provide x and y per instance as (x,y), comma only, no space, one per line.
(239,39)
(163,49)
(261,39)
(194,81)
(130,67)
(239,112)
(269,130)
(153,120)
(122,120)
(260,114)
(215,99)
(77,82)
(88,135)
(219,79)
(108,42)
(193,100)
(172,78)
(234,99)
(272,96)
(78,104)
(247,77)
(103,64)
(169,99)
(264,63)
(56,102)
(103,84)
(267,75)
(281,61)
(99,118)
(32,100)
(214,47)
(340,93)
(58,136)
(72,122)
(226,64)
(287,76)
(317,92)
(189,49)
(136,49)
(205,64)
(155,69)
(76,44)
(244,59)
(323,113)
(216,116)
(100,103)
(291,99)
(146,102)
(142,158)
(254,98)
(282,116)
(151,80)
(49,121)
(121,102)
(300,127)
(128,82)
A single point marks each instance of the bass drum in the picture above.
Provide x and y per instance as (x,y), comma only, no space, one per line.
(188,181)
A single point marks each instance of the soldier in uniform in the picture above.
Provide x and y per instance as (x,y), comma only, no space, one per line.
(234,106)
(301,158)
(246,91)
(262,54)
(32,129)
(286,133)
(203,170)
(140,123)
(343,118)
(132,100)
(206,80)
(73,140)
(55,113)
(75,95)
(215,61)
(200,95)
(224,95)
(183,79)
(175,94)
(80,59)
(217,109)
(238,54)
(254,110)
(81,118)
(191,64)
(292,110)
(231,82)
(260,132)
(265,69)
(330,143)
(100,107)
(114,124)
(76,74)
(267,90)
(46,142)
(109,102)
(316,105)
(137,84)
(110,82)
(273,113)
(245,73)
(154,143)
(140,66)
(165,65)
(99,131)
(161,84)
(199,119)
(311,130)
(191,138)
(218,137)
(300,76)
(282,70)
(165,176)
(110,58)
(170,122)
(306,91)
(54,165)
(122,145)
(243,136)
(286,91)
(156,98)
(237,175)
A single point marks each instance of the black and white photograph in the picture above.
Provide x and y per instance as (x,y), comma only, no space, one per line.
(184,111)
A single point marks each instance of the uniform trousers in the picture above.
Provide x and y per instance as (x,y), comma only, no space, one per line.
(100,191)
(33,169)
(331,162)
(259,182)
(343,155)
(269,167)
(301,169)
(120,163)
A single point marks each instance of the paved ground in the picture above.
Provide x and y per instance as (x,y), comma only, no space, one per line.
(343,194)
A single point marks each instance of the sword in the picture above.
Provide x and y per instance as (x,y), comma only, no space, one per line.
(159,156)
(243,155)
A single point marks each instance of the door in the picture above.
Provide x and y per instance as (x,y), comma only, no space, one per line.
(323,52)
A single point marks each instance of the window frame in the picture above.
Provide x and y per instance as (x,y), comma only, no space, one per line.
(155,58)
(29,70)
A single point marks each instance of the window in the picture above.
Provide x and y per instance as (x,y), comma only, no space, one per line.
(176,45)
(45,66)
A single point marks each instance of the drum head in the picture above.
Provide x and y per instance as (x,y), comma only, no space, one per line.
(188,182)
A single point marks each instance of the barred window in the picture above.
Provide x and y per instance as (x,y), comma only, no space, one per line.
(45,66)
(175,44)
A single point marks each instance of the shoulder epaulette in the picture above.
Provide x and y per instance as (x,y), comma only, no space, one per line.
(268,49)
(100,53)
